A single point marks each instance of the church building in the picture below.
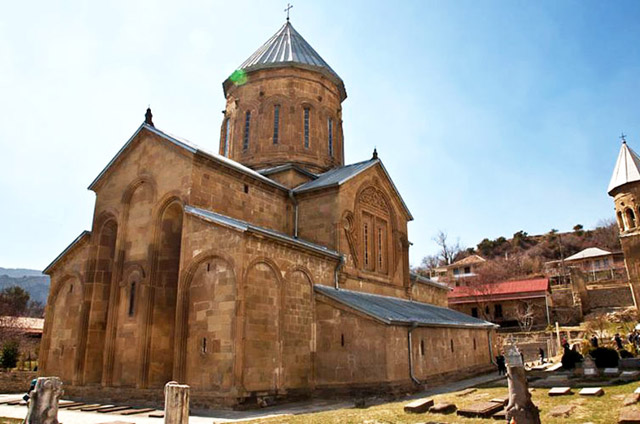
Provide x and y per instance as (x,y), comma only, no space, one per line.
(267,268)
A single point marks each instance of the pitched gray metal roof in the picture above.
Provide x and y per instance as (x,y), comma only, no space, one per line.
(395,311)
(246,227)
(338,176)
(286,46)
(285,167)
(627,168)
(192,148)
(424,280)
(335,177)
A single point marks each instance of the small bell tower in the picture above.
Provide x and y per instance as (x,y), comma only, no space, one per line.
(624,187)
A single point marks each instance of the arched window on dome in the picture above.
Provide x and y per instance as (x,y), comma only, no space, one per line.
(631,218)
(247,129)
(276,124)
(305,121)
(620,221)
(330,140)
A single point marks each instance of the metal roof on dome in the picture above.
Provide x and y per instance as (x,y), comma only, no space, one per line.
(627,168)
(286,46)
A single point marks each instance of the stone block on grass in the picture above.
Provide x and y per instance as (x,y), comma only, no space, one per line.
(501,400)
(629,416)
(443,408)
(561,411)
(418,406)
(631,399)
(480,410)
(560,391)
(466,392)
(591,391)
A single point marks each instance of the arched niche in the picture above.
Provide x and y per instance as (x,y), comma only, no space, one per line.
(165,291)
(104,267)
(64,314)
(209,349)
(297,329)
(262,355)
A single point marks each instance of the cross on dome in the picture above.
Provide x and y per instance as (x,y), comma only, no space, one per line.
(289,7)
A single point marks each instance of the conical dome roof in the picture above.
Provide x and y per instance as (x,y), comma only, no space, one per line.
(627,168)
(287,48)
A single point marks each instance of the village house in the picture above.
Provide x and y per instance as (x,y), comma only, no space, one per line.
(269,268)
(597,264)
(522,303)
(456,273)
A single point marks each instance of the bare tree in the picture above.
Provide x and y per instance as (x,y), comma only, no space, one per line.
(448,250)
(525,313)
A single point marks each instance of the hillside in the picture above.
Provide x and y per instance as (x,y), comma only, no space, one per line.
(33,281)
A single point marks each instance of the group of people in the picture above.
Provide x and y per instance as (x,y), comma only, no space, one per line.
(633,338)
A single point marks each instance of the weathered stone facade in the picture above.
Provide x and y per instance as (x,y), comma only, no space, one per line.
(201,268)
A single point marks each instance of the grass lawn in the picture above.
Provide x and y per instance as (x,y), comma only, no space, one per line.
(603,410)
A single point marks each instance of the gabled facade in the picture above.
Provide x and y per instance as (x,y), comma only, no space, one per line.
(226,271)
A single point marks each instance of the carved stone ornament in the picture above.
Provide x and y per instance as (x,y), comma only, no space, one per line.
(373,197)
(349,225)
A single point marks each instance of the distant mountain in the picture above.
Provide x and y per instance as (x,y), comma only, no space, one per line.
(20,272)
(33,281)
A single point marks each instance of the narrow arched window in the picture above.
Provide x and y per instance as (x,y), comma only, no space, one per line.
(247,128)
(330,123)
(132,298)
(631,218)
(380,248)
(227,129)
(366,243)
(451,345)
(306,127)
(276,124)
(620,221)
(422,347)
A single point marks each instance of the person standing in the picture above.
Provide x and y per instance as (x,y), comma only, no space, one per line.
(618,341)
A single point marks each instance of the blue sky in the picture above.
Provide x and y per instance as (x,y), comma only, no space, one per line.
(491,116)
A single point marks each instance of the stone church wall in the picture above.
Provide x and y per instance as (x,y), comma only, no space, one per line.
(68,300)
(426,293)
(356,351)
(231,194)
(261,337)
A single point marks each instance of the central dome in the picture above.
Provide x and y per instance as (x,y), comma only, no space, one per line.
(284,107)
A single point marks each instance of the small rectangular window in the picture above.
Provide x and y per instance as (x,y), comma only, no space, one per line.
(276,123)
(467,270)
(474,312)
(247,127)
(330,137)
(497,311)
(306,127)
